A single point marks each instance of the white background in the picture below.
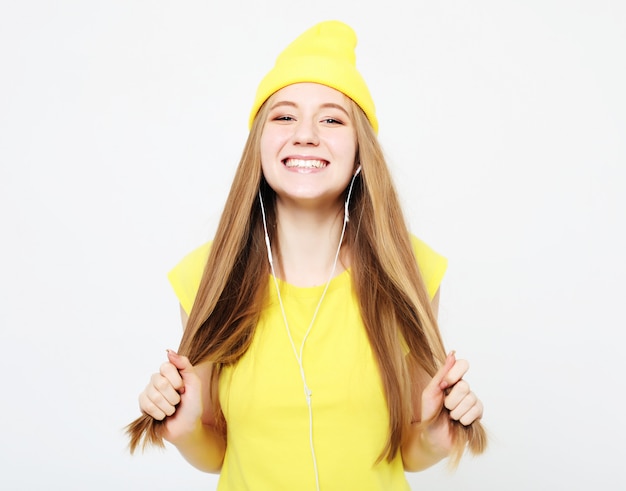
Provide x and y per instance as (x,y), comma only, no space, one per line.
(121,123)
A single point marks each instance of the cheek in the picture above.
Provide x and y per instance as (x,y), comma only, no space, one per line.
(347,149)
(270,144)
(343,143)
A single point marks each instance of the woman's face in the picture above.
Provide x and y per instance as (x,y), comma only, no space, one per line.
(308,145)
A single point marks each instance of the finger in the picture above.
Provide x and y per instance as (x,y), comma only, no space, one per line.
(185,369)
(182,363)
(474,413)
(466,404)
(152,410)
(147,406)
(456,373)
(456,394)
(468,411)
(162,386)
(162,403)
(169,372)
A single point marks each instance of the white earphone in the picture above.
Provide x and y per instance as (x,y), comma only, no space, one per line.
(347,203)
(307,390)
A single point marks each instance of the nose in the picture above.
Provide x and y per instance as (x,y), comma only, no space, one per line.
(305,133)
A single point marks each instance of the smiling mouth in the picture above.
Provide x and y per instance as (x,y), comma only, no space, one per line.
(305,164)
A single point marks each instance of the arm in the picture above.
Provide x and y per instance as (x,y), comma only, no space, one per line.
(180,394)
(204,446)
(427,445)
(192,427)
(424,446)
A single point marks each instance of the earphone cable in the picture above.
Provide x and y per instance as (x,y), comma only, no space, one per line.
(299,355)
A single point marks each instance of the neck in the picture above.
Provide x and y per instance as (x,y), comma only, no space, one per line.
(309,238)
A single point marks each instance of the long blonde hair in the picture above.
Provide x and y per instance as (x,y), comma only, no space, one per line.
(394,303)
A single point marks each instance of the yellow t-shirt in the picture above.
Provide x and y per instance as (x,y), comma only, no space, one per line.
(262,395)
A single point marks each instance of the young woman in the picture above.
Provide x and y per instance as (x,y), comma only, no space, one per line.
(311,356)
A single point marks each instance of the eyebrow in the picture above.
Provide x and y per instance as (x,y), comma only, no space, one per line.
(326,105)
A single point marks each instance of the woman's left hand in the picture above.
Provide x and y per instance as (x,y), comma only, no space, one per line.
(448,389)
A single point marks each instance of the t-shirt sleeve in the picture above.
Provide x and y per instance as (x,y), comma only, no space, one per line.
(432,265)
(185,277)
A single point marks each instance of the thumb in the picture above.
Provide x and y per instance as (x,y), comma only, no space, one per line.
(189,409)
(438,383)
(182,363)
(433,394)
(179,361)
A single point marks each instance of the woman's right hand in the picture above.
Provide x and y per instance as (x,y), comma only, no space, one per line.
(174,394)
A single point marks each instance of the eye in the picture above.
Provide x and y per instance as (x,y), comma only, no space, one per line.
(281,117)
(332,121)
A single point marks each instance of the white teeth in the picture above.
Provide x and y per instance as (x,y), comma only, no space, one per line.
(306,164)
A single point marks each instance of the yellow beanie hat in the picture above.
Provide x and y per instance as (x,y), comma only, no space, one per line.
(323,54)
